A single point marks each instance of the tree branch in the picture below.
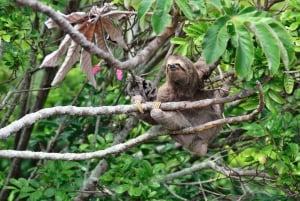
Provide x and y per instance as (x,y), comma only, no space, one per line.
(30,119)
(209,164)
(153,132)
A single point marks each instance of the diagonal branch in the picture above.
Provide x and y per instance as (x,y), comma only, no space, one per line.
(153,132)
(209,164)
(79,38)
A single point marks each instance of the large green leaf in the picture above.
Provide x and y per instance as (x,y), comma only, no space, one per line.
(144,7)
(182,4)
(244,52)
(161,18)
(286,40)
(269,44)
(215,40)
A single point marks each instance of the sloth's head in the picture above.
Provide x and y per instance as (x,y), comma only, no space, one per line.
(181,71)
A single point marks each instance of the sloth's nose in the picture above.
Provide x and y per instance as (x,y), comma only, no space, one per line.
(172,67)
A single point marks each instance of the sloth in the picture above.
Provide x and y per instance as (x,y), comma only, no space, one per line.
(184,83)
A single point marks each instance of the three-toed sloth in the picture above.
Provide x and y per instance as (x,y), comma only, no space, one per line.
(183,83)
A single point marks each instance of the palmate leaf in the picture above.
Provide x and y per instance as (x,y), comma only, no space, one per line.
(215,40)
(244,52)
(269,44)
(92,25)
(160,18)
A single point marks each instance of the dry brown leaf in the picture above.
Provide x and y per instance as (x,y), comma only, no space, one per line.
(114,32)
(86,58)
(75,17)
(92,26)
(87,67)
(53,59)
(99,37)
(70,60)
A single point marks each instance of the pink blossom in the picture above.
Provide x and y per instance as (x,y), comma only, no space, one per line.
(96,68)
(119,74)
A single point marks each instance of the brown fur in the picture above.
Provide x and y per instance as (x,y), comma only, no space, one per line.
(183,84)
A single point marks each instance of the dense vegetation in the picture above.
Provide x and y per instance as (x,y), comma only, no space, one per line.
(257,159)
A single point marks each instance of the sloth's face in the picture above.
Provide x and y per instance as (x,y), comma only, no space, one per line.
(177,70)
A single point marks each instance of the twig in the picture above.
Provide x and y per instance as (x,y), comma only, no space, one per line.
(174,194)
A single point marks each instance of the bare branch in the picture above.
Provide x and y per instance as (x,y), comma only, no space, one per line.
(30,119)
(209,164)
(153,132)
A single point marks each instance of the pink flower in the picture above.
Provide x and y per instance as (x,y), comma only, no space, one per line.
(119,74)
(96,68)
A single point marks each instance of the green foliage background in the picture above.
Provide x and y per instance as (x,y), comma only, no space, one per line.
(256,42)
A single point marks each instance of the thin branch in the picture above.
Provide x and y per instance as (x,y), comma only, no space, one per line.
(30,119)
(208,164)
(174,194)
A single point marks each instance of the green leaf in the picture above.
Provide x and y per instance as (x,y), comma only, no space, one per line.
(215,40)
(50,192)
(160,18)
(268,43)
(144,7)
(216,4)
(288,82)
(270,105)
(244,53)
(135,191)
(275,97)
(182,4)
(121,188)
(178,41)
(286,41)
(198,5)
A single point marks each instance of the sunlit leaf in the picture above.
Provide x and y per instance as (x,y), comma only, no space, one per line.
(216,4)
(244,53)
(161,18)
(286,40)
(268,43)
(144,7)
(187,11)
(215,40)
